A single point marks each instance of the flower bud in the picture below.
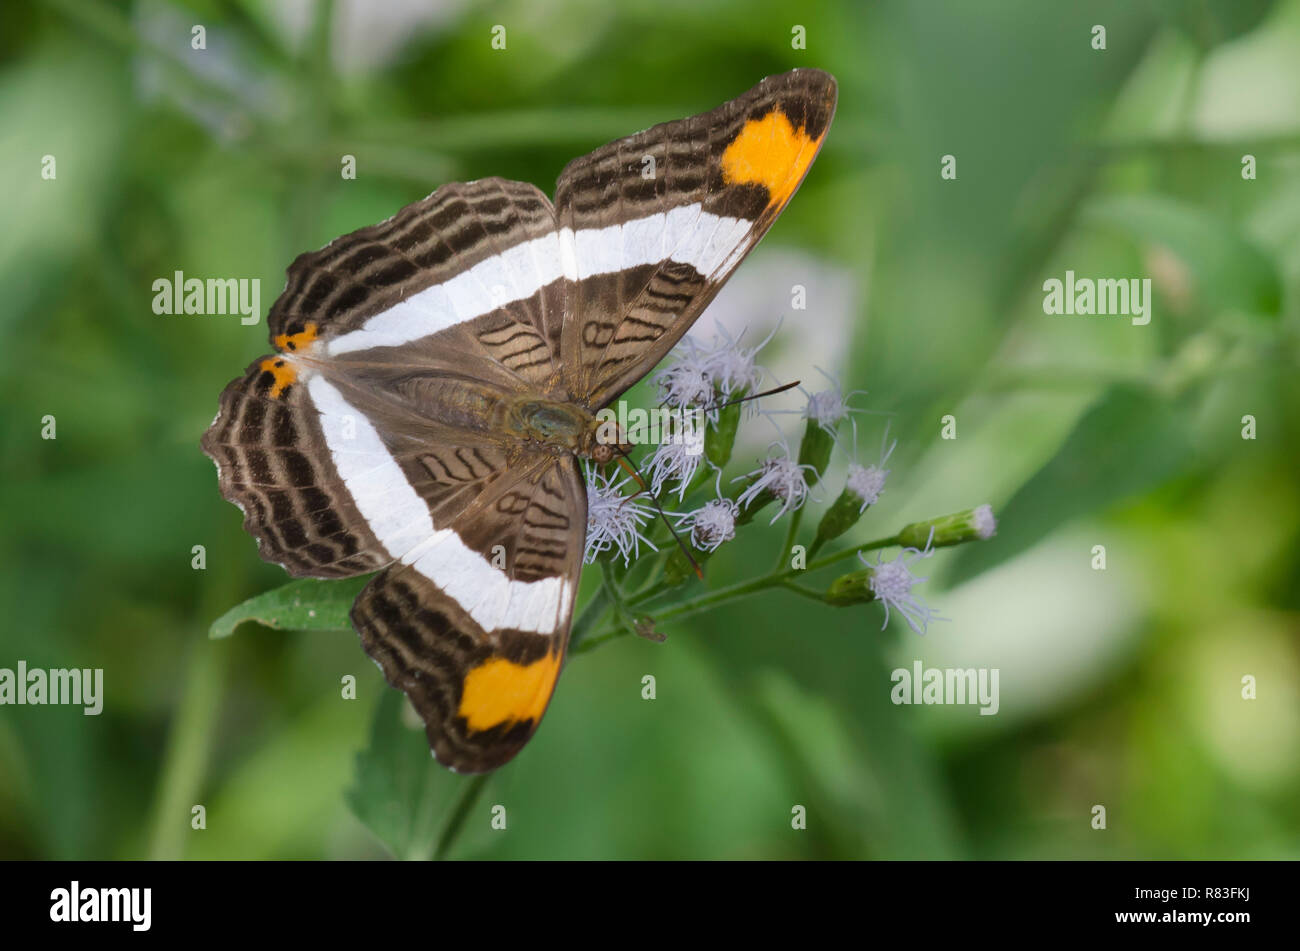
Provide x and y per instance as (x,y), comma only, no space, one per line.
(721,437)
(853,588)
(753,506)
(971,525)
(815,450)
(839,518)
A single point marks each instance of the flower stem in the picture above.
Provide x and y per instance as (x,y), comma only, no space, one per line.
(806,592)
(781,577)
(714,598)
(849,553)
(582,640)
(591,613)
(469,795)
(188,746)
(614,594)
(592,641)
(649,593)
(790,537)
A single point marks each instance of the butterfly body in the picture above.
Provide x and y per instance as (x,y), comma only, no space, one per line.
(553,426)
(435,383)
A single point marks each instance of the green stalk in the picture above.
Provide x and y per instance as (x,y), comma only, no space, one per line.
(591,612)
(469,795)
(185,757)
(780,578)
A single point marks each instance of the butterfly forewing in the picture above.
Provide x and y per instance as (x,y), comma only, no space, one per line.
(474,264)
(663,217)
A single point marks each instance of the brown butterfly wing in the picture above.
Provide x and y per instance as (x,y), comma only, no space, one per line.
(335,292)
(674,210)
(479,656)
(422,395)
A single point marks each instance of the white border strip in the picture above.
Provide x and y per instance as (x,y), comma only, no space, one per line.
(688,235)
(400,520)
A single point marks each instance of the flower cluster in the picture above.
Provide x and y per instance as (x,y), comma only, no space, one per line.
(707,376)
(712,383)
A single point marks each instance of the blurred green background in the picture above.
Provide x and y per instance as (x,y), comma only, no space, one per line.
(1119,687)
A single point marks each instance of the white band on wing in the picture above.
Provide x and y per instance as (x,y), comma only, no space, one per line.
(688,235)
(400,519)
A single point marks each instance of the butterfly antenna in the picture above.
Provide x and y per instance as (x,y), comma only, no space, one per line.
(740,399)
(752,396)
(626,462)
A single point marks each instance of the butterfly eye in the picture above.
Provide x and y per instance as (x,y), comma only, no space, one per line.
(602,453)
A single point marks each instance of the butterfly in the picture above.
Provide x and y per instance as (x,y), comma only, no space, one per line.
(435,384)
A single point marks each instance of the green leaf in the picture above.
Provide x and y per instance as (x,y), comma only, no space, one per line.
(1229,271)
(1213,22)
(400,793)
(305,605)
(1127,443)
(898,807)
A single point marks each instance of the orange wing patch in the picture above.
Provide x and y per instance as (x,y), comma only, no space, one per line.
(298,341)
(770,152)
(501,691)
(282,369)
(282,373)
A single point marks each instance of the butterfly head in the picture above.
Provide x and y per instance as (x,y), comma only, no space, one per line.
(604,440)
(603,452)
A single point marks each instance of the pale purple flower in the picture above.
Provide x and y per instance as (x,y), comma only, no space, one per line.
(782,476)
(614,520)
(892,583)
(986,526)
(712,524)
(706,376)
(677,458)
(687,382)
(826,408)
(867,482)
(732,367)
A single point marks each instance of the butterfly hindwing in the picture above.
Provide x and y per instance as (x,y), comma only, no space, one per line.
(274,463)
(336,478)
(478,648)
(663,217)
